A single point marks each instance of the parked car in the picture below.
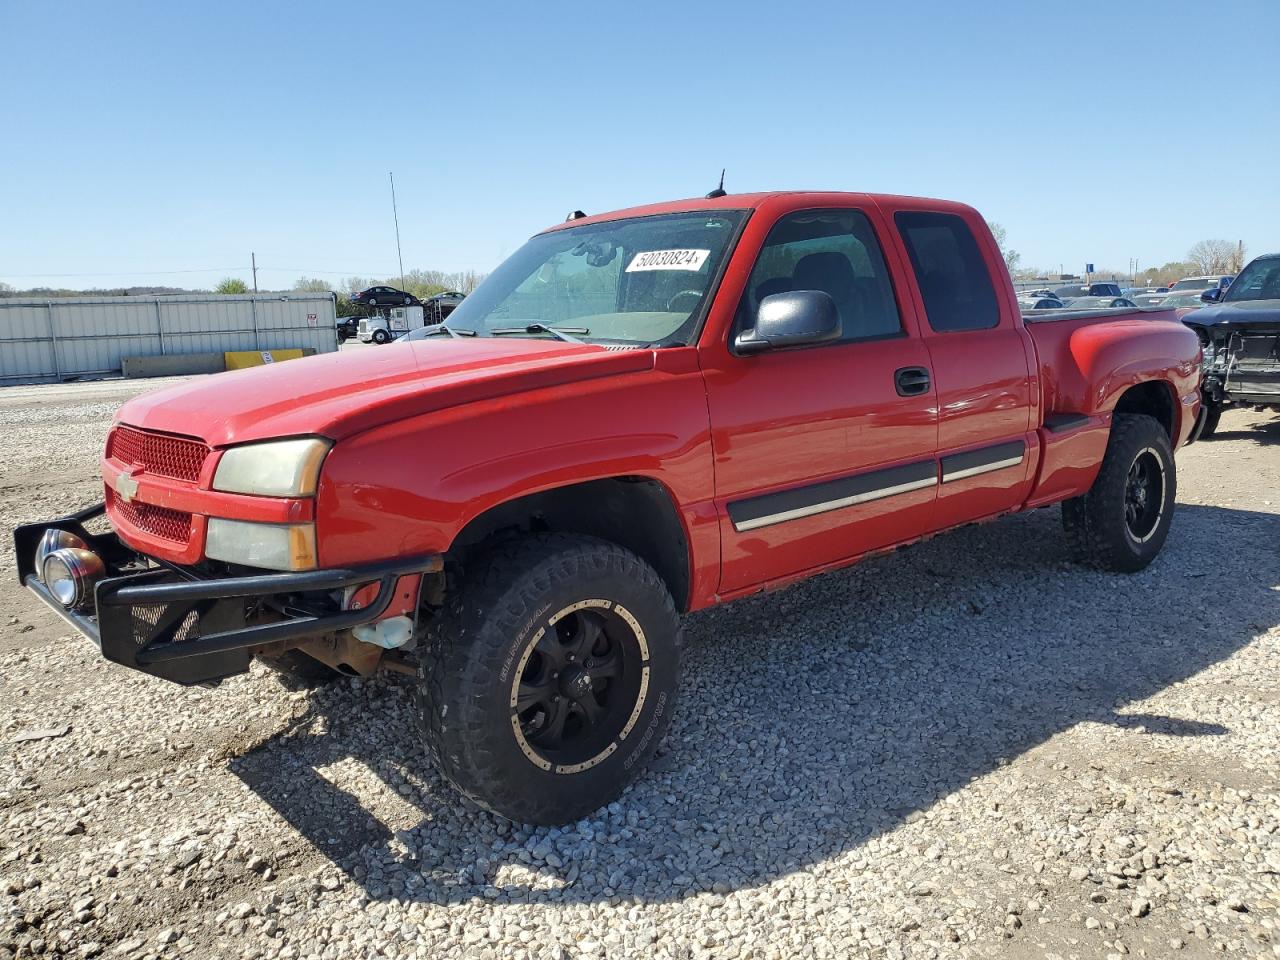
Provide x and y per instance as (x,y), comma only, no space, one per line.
(1090,290)
(1100,303)
(1040,303)
(385,297)
(1220,281)
(1183,301)
(347,328)
(1239,330)
(638,414)
(1149,299)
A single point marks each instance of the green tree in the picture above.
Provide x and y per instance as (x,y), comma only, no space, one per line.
(311,285)
(231,285)
(1011,257)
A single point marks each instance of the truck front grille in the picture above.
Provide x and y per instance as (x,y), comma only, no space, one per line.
(161,522)
(177,458)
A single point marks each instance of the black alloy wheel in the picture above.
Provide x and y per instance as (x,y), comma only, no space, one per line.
(581,681)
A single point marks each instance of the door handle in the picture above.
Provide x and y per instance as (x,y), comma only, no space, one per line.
(911,381)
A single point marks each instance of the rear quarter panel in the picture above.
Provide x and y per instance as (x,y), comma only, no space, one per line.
(1086,364)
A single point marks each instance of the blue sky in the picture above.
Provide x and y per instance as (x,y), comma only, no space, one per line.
(140,139)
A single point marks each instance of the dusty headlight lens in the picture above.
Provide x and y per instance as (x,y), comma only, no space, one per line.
(70,574)
(271,546)
(278,468)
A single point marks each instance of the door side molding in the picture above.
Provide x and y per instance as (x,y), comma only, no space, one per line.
(815,498)
(958,466)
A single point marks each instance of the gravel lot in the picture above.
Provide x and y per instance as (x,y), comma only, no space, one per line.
(971,749)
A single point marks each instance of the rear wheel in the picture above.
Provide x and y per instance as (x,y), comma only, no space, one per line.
(1122,522)
(550,677)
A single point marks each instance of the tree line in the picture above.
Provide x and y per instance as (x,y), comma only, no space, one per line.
(1205,258)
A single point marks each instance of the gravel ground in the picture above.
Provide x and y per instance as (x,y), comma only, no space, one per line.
(973,748)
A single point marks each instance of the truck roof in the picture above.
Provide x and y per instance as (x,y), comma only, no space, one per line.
(785,199)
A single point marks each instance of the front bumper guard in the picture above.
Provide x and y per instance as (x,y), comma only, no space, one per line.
(173,623)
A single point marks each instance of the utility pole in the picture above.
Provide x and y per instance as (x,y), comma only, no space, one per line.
(253,258)
(396,215)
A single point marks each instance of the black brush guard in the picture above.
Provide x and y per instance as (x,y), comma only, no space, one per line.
(173,623)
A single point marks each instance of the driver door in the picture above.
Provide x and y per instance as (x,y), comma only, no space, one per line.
(823,452)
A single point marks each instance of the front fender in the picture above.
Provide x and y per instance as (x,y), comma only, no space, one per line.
(414,485)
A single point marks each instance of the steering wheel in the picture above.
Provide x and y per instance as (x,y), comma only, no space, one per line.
(695,294)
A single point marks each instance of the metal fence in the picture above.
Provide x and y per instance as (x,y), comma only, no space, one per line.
(59,339)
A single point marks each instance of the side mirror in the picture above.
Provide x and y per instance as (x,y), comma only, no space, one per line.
(795,319)
(1212,295)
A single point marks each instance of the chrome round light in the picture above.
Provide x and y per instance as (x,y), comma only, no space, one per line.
(55,539)
(70,574)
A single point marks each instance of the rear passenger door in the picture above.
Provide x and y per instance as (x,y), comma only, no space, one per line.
(981,366)
(819,456)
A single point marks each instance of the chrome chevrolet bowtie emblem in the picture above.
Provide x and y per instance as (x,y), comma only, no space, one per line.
(126,487)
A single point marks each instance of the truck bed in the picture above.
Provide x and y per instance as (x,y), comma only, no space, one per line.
(1102,313)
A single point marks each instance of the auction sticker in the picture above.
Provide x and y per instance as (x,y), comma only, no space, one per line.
(668,260)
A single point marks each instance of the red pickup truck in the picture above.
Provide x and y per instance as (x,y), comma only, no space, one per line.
(638,414)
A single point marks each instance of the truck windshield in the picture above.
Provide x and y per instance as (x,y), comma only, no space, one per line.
(1260,280)
(640,280)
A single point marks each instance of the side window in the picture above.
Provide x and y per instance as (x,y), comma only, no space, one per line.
(953,277)
(834,251)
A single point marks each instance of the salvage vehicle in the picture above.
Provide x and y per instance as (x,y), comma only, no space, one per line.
(1239,331)
(638,414)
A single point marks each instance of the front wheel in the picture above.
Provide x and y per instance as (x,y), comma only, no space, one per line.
(1121,523)
(550,676)
(380,337)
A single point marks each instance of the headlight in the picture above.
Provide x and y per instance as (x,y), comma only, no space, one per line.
(70,574)
(280,468)
(272,546)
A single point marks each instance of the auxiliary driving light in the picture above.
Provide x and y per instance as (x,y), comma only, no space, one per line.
(70,574)
(55,539)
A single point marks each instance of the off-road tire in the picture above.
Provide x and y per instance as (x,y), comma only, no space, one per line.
(474,651)
(1095,523)
(1211,420)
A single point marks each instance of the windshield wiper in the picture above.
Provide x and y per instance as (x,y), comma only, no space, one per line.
(441,328)
(560,333)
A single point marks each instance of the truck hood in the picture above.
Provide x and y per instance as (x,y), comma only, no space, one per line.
(338,394)
(1243,314)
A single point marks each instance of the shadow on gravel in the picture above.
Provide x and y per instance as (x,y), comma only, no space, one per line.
(1265,433)
(811,720)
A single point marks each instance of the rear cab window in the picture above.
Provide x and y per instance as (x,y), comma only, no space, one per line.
(951,273)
